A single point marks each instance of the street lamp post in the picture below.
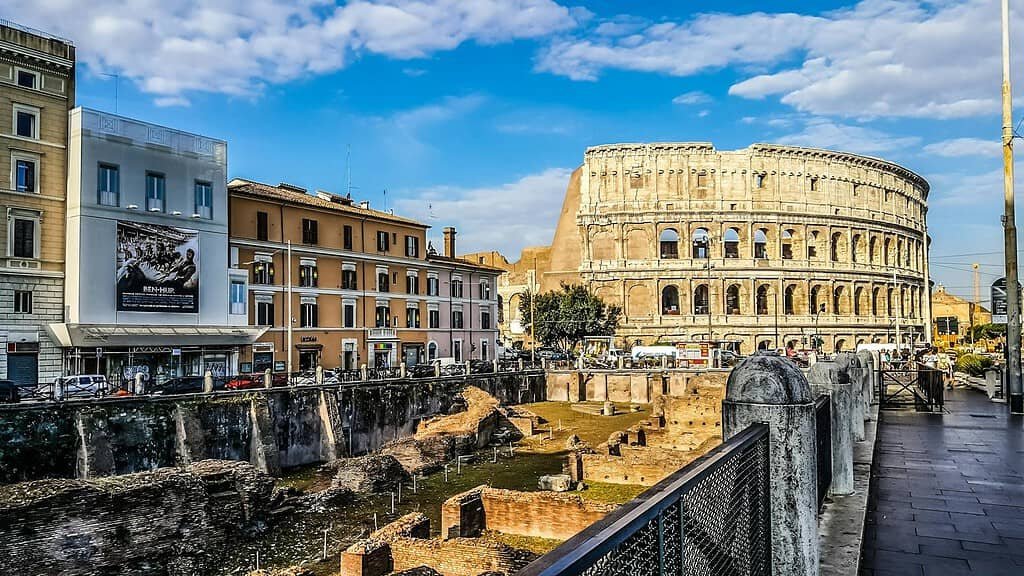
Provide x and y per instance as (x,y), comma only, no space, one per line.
(817,337)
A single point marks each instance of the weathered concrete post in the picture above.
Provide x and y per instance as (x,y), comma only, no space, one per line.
(138,383)
(319,375)
(437,370)
(401,370)
(849,363)
(867,362)
(828,377)
(520,364)
(208,382)
(469,368)
(365,374)
(495,363)
(766,388)
(268,380)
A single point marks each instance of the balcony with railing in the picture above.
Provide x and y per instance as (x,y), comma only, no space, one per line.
(381,334)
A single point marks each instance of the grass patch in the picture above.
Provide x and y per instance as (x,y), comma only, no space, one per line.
(531,543)
(590,428)
(611,493)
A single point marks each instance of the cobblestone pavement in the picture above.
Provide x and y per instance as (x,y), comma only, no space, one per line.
(947,492)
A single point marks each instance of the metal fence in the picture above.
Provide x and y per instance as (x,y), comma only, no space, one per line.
(911,384)
(711,517)
(823,426)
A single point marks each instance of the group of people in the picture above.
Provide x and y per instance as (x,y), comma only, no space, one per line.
(929,357)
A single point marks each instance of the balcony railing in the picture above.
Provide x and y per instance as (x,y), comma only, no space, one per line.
(710,517)
(381,334)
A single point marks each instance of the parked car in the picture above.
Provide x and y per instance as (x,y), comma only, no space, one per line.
(188,385)
(423,370)
(481,366)
(81,386)
(727,358)
(551,354)
(9,392)
(244,383)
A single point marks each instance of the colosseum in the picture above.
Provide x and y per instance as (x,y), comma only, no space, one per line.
(764,247)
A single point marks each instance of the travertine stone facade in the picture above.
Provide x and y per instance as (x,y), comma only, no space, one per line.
(767,245)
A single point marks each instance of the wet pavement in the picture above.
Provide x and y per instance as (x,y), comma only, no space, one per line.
(947,491)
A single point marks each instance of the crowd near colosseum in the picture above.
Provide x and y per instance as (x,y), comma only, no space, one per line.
(766,246)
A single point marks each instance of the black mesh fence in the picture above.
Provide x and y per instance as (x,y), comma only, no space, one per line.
(823,426)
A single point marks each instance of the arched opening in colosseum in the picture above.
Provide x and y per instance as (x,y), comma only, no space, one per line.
(812,246)
(700,299)
(840,345)
(669,243)
(816,305)
(886,252)
(638,301)
(838,305)
(889,303)
(602,246)
(872,250)
(670,300)
(761,300)
(874,300)
(789,300)
(787,244)
(761,243)
(731,243)
(837,248)
(638,245)
(791,344)
(858,304)
(732,299)
(764,345)
(903,302)
(701,243)
(855,249)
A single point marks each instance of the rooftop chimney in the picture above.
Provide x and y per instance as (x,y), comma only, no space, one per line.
(449,241)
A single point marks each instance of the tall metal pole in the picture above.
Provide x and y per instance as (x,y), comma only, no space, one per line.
(288,307)
(1010,234)
(974,305)
(533,317)
(897,309)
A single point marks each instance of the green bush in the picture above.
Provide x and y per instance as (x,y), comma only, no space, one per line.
(973,364)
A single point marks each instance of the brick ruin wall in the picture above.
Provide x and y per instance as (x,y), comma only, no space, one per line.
(627,386)
(552,515)
(167,521)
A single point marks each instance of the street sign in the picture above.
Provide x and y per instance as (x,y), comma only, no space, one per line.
(999,301)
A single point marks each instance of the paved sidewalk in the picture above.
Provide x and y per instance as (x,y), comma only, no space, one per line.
(947,492)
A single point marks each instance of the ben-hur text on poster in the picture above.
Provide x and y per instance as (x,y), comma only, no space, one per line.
(157,268)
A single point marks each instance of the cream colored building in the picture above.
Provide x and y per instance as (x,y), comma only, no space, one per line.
(946,306)
(765,246)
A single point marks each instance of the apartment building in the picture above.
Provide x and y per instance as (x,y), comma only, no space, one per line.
(147,287)
(341,285)
(37,89)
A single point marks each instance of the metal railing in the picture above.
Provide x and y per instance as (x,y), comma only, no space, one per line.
(823,439)
(911,384)
(710,517)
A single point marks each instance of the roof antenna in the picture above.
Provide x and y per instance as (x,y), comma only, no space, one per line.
(348,171)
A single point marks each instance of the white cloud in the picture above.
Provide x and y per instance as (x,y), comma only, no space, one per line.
(959,147)
(506,217)
(174,47)
(822,133)
(405,130)
(691,98)
(880,58)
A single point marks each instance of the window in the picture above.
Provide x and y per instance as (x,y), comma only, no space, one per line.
(669,244)
(457,318)
(789,299)
(412,317)
(24,176)
(262,271)
(702,179)
(308,275)
(456,288)
(701,243)
(457,350)
(346,237)
(815,306)
(760,244)
(670,300)
(485,290)
(412,284)
(155,188)
(700,300)
(238,297)
(732,243)
(265,312)
(732,299)
(349,280)
(308,315)
(412,247)
(761,300)
(26,121)
(22,302)
(814,184)
(23,237)
(108,185)
(383,315)
(383,281)
(787,244)
(485,319)
(759,180)
(431,351)
(204,200)
(348,314)
(383,241)
(262,226)
(432,286)
(812,246)
(434,318)
(28,79)
(309,231)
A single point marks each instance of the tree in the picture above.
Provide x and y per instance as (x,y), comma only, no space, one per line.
(567,315)
(989,331)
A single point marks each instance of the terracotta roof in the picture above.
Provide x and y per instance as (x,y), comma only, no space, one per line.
(462,262)
(277,193)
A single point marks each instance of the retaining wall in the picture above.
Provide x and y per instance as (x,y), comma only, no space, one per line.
(632,386)
(552,515)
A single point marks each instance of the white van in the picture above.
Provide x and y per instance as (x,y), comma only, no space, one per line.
(80,386)
(639,352)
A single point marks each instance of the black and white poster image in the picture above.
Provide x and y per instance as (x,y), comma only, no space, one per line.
(157,268)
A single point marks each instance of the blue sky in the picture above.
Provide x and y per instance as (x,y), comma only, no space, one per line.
(473,112)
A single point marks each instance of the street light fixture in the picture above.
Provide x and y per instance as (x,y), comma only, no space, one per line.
(817,337)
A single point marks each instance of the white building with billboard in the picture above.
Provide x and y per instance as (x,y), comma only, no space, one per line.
(147,284)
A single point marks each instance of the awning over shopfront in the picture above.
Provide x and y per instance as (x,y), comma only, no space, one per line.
(89,335)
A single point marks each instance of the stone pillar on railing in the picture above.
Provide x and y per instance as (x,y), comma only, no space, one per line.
(469,368)
(437,370)
(520,364)
(401,370)
(319,375)
(828,377)
(495,364)
(208,382)
(849,362)
(139,377)
(867,361)
(766,388)
(364,372)
(622,362)
(268,380)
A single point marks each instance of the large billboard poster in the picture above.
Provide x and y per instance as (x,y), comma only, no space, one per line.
(157,268)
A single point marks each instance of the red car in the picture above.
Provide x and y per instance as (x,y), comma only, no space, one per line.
(250,381)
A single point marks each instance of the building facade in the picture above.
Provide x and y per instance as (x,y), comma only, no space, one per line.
(148,289)
(37,89)
(364,287)
(766,247)
(954,316)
